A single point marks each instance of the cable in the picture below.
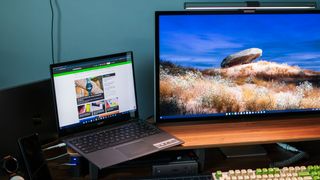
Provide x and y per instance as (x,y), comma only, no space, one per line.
(288,162)
(55,146)
(57,157)
(52,38)
(288,147)
(297,157)
(68,164)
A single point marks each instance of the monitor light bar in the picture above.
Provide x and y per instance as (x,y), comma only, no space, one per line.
(249,5)
(235,8)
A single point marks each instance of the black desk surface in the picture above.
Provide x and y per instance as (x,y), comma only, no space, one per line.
(214,161)
(304,132)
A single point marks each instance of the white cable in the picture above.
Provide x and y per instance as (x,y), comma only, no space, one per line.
(288,147)
(57,157)
(55,146)
(68,164)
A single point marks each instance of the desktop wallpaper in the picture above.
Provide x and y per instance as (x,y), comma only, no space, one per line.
(238,63)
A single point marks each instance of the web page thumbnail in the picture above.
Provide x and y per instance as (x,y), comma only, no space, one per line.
(89,89)
(98,107)
(84,110)
(112,104)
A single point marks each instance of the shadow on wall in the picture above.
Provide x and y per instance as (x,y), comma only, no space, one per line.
(25,110)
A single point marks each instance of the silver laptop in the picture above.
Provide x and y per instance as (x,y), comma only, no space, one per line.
(97,113)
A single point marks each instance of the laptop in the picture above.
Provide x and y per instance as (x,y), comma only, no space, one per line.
(97,112)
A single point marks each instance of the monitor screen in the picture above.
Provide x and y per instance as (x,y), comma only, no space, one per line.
(94,90)
(219,64)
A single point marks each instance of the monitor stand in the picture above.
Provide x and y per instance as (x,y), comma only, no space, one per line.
(243,151)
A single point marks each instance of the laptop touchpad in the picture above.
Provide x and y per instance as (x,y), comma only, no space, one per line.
(136,148)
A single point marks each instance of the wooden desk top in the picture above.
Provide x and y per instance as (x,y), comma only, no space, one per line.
(209,135)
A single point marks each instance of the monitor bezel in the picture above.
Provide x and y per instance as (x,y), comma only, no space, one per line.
(62,132)
(255,117)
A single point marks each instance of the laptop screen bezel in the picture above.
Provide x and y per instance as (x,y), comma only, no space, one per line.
(108,121)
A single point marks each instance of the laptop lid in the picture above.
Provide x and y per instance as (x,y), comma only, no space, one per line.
(94,92)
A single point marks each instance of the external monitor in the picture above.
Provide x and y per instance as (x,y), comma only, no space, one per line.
(221,64)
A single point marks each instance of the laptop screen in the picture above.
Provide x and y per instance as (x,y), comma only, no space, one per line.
(94,90)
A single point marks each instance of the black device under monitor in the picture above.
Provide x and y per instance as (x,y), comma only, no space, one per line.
(34,161)
(227,65)
(97,113)
(26,109)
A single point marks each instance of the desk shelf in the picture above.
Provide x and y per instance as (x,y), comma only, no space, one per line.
(210,135)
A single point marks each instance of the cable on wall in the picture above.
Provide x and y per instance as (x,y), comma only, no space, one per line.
(52,27)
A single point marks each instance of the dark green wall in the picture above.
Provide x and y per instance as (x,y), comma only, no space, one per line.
(83,28)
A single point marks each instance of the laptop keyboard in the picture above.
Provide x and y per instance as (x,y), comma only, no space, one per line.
(112,137)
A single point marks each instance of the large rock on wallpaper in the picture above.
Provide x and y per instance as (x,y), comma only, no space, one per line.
(242,57)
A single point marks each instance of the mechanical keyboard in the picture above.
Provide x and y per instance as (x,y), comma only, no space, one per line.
(285,173)
(112,137)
